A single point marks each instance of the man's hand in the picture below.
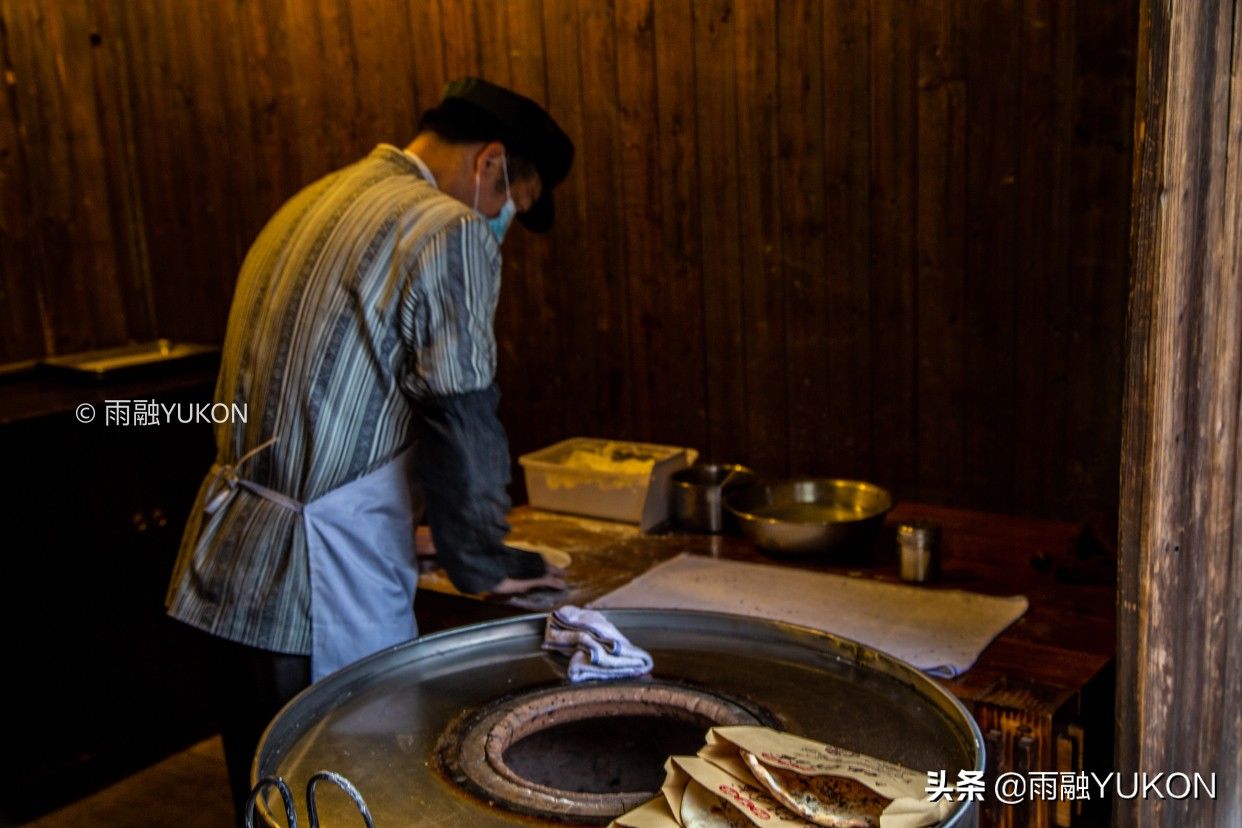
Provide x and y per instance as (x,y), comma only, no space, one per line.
(554,578)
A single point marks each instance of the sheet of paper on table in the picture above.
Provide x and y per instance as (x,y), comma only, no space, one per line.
(940,631)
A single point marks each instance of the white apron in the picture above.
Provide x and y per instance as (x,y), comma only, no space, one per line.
(360,556)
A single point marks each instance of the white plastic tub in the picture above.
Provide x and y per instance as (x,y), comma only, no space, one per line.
(608,479)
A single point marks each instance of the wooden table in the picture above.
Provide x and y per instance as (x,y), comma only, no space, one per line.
(1041,692)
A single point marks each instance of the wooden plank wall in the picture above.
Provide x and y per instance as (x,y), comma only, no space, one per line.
(876,238)
(1179,672)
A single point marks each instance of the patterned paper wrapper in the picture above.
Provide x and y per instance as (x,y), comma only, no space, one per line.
(717,788)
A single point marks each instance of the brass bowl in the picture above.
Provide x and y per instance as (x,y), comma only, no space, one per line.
(810,515)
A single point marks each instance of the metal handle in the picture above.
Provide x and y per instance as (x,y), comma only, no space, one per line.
(266,782)
(312,808)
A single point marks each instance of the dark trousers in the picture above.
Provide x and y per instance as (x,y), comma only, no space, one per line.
(251,686)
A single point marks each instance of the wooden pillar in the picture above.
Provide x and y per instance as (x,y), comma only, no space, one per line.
(1179,694)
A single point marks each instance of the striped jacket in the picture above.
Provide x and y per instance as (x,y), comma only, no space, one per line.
(362,320)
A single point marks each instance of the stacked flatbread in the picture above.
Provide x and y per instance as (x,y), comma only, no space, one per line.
(747,776)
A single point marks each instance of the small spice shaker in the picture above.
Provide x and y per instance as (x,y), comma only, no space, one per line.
(919,544)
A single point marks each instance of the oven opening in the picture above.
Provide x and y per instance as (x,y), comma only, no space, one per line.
(587,752)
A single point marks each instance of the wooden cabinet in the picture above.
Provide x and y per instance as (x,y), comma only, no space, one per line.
(98,680)
(1042,693)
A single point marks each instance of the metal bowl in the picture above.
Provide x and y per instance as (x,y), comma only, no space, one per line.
(698,494)
(810,515)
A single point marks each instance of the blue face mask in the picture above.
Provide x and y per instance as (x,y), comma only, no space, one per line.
(500,224)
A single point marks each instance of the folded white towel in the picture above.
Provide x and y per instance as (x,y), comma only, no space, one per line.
(596,648)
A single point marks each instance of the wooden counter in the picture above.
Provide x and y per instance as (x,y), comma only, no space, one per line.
(1041,692)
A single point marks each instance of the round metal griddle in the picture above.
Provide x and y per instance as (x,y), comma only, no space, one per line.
(378,722)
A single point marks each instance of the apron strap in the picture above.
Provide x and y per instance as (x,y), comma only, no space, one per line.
(225,481)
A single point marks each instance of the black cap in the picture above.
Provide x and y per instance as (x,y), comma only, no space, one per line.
(525,128)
